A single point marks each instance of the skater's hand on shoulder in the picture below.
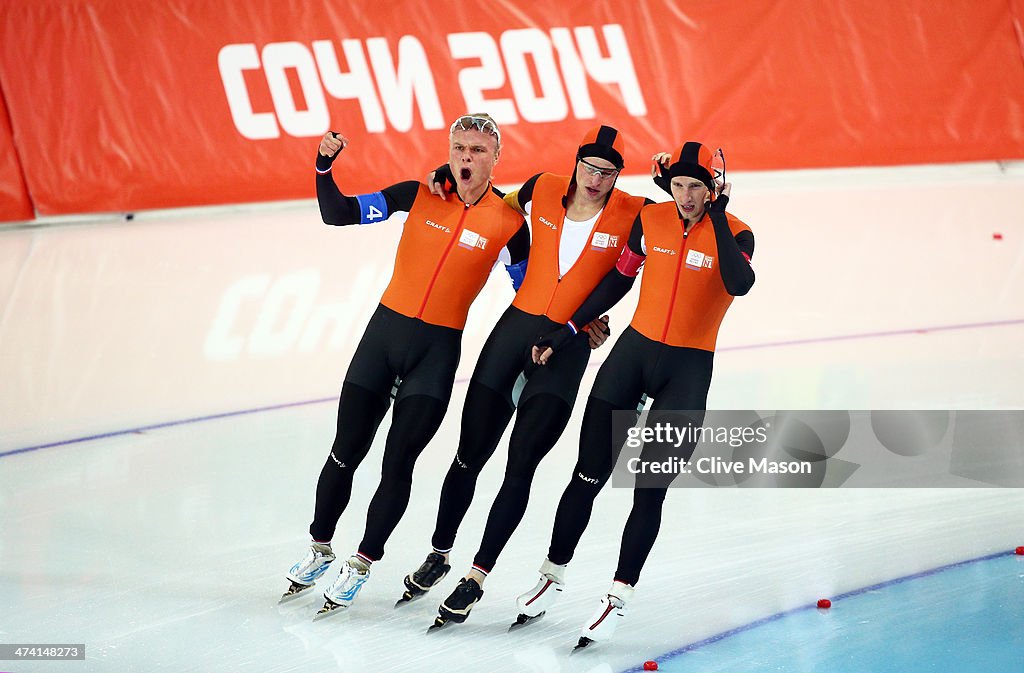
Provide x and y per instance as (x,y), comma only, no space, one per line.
(659,163)
(441,181)
(598,331)
(659,170)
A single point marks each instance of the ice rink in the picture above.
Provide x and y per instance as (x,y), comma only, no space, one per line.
(168,398)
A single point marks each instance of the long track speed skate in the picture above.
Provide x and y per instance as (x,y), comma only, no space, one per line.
(306,572)
(457,606)
(427,576)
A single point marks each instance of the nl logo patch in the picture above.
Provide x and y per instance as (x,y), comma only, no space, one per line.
(698,260)
(603,241)
(471,239)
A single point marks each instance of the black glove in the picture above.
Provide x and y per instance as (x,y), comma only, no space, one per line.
(443,175)
(663,180)
(529,366)
(717,207)
(556,340)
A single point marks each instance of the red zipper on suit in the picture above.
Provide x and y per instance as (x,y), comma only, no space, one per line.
(558,250)
(444,258)
(675,286)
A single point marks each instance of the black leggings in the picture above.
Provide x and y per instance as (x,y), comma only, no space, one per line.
(678,379)
(424,358)
(545,404)
(539,424)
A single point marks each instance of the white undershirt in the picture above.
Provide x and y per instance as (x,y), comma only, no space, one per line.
(575,236)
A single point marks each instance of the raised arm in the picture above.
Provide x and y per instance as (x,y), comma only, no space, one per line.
(337,208)
(734,251)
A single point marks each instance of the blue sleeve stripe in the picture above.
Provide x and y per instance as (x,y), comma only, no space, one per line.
(517,272)
(372,208)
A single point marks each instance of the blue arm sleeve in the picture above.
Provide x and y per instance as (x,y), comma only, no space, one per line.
(517,272)
(373,208)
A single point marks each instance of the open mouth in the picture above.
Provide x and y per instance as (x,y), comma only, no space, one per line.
(465,174)
(593,192)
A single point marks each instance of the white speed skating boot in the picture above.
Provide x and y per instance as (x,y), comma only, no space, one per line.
(542,597)
(343,592)
(306,572)
(601,626)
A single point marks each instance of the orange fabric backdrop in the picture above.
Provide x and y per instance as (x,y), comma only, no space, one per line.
(14,201)
(120,106)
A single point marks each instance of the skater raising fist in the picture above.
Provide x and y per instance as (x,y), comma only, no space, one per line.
(331,144)
(410,349)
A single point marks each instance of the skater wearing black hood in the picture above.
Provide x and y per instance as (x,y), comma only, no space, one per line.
(580,224)
(697,258)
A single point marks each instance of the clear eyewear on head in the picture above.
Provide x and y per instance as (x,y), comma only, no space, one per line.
(482,124)
(597,171)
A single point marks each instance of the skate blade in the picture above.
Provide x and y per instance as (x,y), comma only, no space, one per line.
(522,620)
(439,623)
(328,609)
(407,598)
(294,591)
(582,644)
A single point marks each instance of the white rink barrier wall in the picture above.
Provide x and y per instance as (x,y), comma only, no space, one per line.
(107,326)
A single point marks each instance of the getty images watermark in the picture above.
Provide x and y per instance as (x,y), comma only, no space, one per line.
(819,449)
(668,434)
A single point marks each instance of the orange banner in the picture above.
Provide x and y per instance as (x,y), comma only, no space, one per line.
(126,106)
(14,202)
